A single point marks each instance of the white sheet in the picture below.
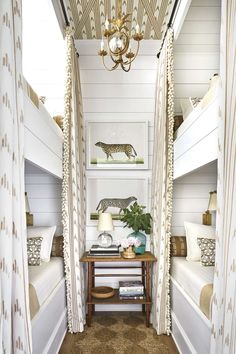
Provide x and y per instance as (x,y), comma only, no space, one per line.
(45,277)
(191,276)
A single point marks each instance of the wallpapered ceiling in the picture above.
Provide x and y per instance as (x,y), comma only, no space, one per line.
(87,17)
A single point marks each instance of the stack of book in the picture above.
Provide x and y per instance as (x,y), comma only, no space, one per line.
(98,251)
(131,290)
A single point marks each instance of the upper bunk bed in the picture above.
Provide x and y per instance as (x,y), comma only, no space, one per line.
(43,137)
(196,142)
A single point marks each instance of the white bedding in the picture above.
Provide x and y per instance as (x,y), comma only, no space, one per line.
(191,276)
(45,277)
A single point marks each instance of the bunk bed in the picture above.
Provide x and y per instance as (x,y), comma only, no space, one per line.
(195,146)
(43,137)
(47,290)
(197,137)
(191,294)
(48,305)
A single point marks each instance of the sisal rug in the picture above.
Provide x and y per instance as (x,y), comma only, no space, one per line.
(118,333)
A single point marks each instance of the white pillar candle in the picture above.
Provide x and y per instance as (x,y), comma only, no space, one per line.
(102,44)
(137,28)
(107,24)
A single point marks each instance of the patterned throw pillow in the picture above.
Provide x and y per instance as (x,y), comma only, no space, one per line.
(33,250)
(178,246)
(57,246)
(207,246)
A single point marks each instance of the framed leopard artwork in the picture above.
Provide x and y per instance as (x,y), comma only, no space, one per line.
(117,145)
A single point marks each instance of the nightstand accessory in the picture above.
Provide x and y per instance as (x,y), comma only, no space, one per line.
(105,224)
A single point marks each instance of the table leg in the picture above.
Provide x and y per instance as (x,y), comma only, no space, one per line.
(148,289)
(143,281)
(93,284)
(90,283)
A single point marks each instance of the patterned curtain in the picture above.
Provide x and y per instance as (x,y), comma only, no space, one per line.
(15,327)
(162,185)
(223,339)
(73,191)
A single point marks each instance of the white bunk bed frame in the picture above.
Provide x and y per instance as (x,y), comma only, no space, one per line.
(194,147)
(49,325)
(191,330)
(43,148)
(43,138)
(196,142)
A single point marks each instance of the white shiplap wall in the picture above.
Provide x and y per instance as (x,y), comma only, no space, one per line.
(196,51)
(44,194)
(191,197)
(121,96)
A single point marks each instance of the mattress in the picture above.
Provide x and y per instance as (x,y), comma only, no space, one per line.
(42,281)
(196,280)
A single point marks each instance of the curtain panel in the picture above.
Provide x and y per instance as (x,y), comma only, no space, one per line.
(15,326)
(223,339)
(162,186)
(73,191)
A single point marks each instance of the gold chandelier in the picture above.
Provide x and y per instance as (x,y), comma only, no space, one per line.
(119,42)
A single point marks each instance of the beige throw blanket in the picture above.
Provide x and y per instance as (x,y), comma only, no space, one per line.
(205,300)
(33,301)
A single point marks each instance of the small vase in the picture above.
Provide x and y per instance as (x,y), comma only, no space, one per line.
(141,237)
(129,252)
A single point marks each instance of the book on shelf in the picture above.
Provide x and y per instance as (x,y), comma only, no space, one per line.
(136,297)
(98,251)
(130,283)
(104,255)
(131,288)
(136,292)
(112,248)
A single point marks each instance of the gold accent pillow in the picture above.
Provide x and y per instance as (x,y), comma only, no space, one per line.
(33,250)
(57,246)
(207,247)
(178,246)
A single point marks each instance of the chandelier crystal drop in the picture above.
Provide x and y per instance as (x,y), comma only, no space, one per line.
(118,42)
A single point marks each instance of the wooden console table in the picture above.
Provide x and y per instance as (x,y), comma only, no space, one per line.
(146,261)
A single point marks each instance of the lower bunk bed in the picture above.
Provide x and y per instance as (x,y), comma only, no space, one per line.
(191,294)
(48,306)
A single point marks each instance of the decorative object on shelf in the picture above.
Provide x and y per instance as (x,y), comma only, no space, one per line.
(29,217)
(119,41)
(102,292)
(136,219)
(129,244)
(105,224)
(117,144)
(121,203)
(212,205)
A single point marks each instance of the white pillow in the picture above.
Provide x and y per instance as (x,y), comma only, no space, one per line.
(186,105)
(193,232)
(47,234)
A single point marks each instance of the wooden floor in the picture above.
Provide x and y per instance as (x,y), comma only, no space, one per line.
(118,333)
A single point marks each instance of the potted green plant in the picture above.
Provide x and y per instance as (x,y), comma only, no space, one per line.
(135,218)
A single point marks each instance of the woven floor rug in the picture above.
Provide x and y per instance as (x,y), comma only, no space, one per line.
(118,333)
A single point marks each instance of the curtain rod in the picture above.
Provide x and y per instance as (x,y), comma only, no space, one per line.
(168,26)
(66,18)
(64,13)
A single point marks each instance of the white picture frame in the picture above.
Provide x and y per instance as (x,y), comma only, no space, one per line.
(131,137)
(99,188)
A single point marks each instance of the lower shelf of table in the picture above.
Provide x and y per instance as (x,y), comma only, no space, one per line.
(116,300)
